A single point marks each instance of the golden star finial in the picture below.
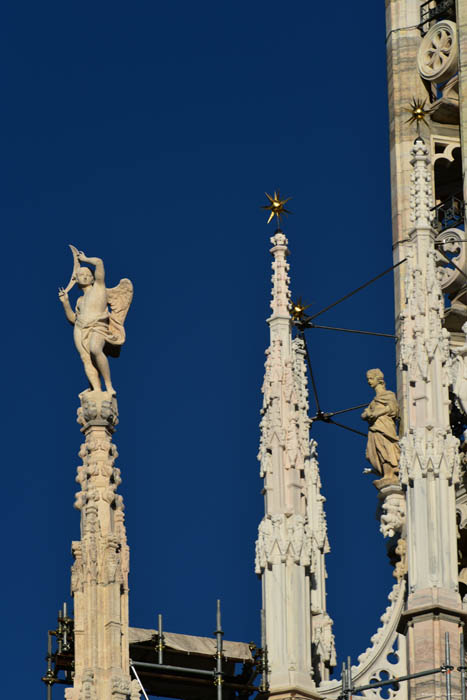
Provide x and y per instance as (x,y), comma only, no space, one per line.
(418,112)
(297,309)
(276,206)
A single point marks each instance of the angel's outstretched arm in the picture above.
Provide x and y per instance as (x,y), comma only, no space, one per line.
(69,313)
(99,272)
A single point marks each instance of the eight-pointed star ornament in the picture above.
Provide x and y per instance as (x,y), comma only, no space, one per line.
(276,206)
(417,112)
(297,310)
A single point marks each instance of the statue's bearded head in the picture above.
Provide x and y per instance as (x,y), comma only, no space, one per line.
(84,277)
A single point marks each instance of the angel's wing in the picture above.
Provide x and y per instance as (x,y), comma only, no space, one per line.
(119,299)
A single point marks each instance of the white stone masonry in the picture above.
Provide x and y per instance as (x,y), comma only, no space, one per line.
(292,538)
(99,577)
(429,466)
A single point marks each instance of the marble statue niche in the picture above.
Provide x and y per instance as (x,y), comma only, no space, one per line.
(382,449)
(98,332)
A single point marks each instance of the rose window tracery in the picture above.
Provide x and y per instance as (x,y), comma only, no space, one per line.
(438,53)
(451,259)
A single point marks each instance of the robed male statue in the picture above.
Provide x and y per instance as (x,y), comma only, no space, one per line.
(382,451)
(98,331)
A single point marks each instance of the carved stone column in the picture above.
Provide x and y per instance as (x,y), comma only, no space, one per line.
(291,545)
(99,577)
(429,451)
(461,14)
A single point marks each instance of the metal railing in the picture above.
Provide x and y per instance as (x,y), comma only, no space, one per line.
(433,10)
(448,214)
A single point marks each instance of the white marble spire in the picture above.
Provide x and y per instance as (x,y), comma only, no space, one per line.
(99,576)
(292,537)
(429,465)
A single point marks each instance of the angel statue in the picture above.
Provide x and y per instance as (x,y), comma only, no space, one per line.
(383,449)
(97,331)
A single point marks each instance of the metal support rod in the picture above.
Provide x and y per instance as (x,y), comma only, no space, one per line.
(447,665)
(181,669)
(451,262)
(344,681)
(49,654)
(49,673)
(154,674)
(59,631)
(138,679)
(346,427)
(160,641)
(349,678)
(218,676)
(381,684)
(350,330)
(462,664)
(65,628)
(326,308)
(344,410)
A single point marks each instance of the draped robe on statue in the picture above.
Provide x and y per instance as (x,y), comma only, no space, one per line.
(108,324)
(383,442)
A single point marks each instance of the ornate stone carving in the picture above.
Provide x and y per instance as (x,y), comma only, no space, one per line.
(422,334)
(135,693)
(438,55)
(323,639)
(77,577)
(386,655)
(97,332)
(392,513)
(99,576)
(451,244)
(280,279)
(429,461)
(282,538)
(316,500)
(421,194)
(400,568)
(432,450)
(98,408)
(292,538)
(88,690)
(459,374)
(120,686)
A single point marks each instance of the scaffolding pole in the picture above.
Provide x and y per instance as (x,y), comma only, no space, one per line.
(219,634)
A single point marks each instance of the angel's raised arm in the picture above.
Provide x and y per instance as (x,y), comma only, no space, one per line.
(99,272)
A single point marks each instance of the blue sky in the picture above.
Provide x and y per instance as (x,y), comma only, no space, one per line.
(147,133)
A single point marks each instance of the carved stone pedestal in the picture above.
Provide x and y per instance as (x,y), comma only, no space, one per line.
(99,577)
(391,513)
